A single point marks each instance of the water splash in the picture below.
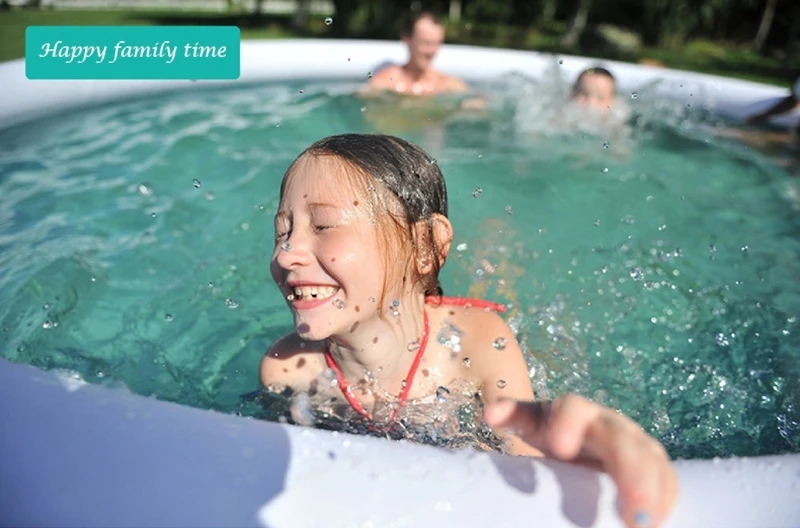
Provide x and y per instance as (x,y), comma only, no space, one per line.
(450,336)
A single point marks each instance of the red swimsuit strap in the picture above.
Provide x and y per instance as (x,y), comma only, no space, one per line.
(348,393)
(465,302)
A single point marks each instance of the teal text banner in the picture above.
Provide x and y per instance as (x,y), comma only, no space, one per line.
(132,52)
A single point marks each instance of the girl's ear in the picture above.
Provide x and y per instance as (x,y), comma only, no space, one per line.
(433,239)
(442,236)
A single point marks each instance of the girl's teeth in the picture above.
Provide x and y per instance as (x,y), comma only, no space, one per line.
(312,292)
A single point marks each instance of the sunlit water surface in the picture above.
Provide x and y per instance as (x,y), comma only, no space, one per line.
(654,269)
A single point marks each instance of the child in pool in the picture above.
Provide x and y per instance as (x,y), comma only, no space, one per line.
(595,88)
(361,233)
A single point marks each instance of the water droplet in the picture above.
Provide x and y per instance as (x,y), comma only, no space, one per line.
(328,21)
(500,343)
(369,75)
(45,307)
(606,145)
(636,273)
(461,247)
(744,249)
(509,210)
(662,227)
(466,362)
(450,336)
(168,317)
(300,91)
(372,299)
(597,223)
(413,347)
(722,340)
(48,324)
(230,303)
(152,215)
(634,95)
(209,196)
(605,170)
(286,246)
(300,409)
(363,108)
(476,192)
(395,303)
(442,393)
(144,189)
(338,303)
(501,384)
(561,61)
(327,378)
(196,183)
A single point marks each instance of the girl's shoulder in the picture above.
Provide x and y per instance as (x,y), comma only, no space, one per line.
(476,324)
(482,335)
(292,362)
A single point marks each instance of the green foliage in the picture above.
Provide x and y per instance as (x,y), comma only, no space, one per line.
(704,35)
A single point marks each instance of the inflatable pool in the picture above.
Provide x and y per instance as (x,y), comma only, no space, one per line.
(77,454)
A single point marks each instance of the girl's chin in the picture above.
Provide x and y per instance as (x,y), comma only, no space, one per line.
(306,332)
(314,330)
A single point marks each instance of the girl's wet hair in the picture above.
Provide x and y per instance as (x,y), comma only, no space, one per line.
(409,176)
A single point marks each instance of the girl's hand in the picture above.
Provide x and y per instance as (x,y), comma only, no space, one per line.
(573,429)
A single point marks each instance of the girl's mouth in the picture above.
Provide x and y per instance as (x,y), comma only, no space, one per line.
(308,293)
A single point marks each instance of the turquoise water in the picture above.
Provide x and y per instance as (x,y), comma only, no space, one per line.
(657,274)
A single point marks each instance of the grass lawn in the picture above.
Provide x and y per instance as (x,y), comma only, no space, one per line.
(701,56)
(14,23)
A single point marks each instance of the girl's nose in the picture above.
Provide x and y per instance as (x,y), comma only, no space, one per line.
(294,251)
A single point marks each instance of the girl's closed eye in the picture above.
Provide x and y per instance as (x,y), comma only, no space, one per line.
(281,227)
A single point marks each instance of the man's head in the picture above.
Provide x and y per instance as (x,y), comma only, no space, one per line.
(423,33)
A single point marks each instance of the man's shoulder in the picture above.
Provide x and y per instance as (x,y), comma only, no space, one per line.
(386,74)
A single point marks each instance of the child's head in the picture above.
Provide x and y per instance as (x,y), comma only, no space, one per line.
(361,217)
(595,88)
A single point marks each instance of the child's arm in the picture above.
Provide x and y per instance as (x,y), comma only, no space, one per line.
(501,366)
(574,429)
(288,364)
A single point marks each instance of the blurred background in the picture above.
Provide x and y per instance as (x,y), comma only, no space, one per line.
(750,39)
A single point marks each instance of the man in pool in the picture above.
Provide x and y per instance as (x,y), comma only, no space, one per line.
(423,34)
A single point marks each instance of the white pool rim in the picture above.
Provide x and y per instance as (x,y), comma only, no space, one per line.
(278,60)
(77,454)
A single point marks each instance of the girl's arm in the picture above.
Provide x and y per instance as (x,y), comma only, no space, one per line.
(574,429)
(501,366)
(287,364)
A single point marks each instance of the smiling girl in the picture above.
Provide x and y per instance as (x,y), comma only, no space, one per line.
(361,234)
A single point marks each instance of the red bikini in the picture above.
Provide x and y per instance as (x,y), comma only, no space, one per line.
(423,342)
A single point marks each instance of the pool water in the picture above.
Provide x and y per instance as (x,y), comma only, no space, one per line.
(657,274)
